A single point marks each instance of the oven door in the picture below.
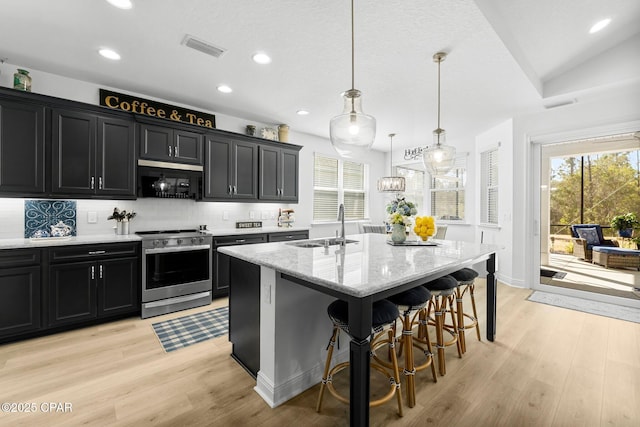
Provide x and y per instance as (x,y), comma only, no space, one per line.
(175,271)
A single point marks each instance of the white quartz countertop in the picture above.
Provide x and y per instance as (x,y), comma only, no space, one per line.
(363,268)
(61,241)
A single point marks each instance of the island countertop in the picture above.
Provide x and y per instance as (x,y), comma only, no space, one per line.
(365,267)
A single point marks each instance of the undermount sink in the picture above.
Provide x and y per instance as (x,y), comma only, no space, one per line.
(318,243)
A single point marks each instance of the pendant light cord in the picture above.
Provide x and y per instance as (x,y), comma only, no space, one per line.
(353,61)
(439,62)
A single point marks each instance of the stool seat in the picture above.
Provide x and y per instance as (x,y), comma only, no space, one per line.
(466,278)
(465,275)
(383,319)
(412,299)
(444,283)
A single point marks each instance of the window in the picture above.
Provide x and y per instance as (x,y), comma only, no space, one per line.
(447,192)
(414,186)
(338,181)
(489,187)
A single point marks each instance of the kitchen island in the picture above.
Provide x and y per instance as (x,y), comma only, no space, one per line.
(288,286)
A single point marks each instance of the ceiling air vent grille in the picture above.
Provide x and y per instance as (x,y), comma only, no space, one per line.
(203,46)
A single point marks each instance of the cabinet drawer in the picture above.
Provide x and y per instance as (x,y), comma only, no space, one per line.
(19,257)
(284,237)
(239,240)
(74,253)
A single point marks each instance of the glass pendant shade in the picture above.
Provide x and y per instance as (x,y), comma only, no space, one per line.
(352,133)
(391,184)
(439,159)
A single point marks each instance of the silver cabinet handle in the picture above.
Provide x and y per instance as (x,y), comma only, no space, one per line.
(241,240)
(235,189)
(170,151)
(93,272)
(99,183)
(176,151)
(93,183)
(230,190)
(101,271)
(97,252)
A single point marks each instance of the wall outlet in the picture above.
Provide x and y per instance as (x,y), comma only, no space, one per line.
(92,217)
(225,215)
(252,215)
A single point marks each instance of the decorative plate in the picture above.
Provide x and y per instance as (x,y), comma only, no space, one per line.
(269,133)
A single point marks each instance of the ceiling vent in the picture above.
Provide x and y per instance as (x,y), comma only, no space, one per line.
(203,46)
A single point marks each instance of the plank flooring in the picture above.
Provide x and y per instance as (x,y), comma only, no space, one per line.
(548,367)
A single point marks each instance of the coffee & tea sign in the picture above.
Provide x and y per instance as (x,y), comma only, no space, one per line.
(146,107)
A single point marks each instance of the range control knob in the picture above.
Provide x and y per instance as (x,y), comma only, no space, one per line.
(156,242)
(179,241)
(194,240)
(165,242)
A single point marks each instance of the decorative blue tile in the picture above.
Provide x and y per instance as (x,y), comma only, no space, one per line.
(40,215)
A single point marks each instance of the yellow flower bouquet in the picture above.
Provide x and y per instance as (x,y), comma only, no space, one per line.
(425,227)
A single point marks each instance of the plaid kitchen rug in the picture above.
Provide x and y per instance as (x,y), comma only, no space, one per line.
(184,331)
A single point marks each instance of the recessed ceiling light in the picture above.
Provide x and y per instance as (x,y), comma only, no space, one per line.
(302,112)
(121,4)
(224,89)
(261,58)
(599,25)
(109,54)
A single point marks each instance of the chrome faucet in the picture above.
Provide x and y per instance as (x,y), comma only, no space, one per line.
(341,219)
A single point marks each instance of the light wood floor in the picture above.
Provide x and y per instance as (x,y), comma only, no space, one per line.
(547,367)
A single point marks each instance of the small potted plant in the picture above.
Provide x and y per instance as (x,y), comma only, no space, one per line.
(400,212)
(122,220)
(624,224)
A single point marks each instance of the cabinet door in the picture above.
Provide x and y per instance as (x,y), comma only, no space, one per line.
(73,152)
(118,286)
(245,170)
(72,292)
(21,147)
(270,173)
(187,147)
(221,261)
(289,186)
(156,142)
(217,173)
(19,300)
(116,157)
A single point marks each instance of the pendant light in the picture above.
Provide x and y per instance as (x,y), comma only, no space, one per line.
(439,158)
(352,132)
(391,184)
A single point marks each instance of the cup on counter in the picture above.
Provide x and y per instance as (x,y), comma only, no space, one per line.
(202,227)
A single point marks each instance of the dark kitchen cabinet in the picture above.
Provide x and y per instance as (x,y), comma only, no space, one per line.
(170,145)
(20,292)
(278,174)
(22,147)
(288,236)
(221,261)
(231,170)
(92,154)
(89,282)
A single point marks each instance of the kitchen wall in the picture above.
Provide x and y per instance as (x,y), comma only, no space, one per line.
(159,214)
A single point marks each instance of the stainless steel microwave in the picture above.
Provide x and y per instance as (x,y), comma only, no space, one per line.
(168,180)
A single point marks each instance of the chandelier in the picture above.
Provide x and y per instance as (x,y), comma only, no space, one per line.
(391,184)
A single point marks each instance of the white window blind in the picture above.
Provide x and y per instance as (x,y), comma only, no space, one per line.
(414,186)
(448,192)
(336,181)
(489,186)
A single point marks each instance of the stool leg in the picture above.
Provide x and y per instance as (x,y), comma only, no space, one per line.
(473,306)
(460,315)
(409,370)
(456,336)
(423,333)
(327,365)
(439,315)
(396,370)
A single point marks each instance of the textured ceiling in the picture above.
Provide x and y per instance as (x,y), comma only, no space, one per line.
(501,53)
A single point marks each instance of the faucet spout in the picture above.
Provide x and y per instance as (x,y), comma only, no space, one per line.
(341,219)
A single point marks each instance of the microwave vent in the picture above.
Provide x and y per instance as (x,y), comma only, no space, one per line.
(202,46)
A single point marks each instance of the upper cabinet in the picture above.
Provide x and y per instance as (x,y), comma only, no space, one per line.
(231,170)
(92,154)
(278,174)
(169,144)
(22,147)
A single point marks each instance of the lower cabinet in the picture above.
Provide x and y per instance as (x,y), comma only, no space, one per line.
(87,283)
(20,292)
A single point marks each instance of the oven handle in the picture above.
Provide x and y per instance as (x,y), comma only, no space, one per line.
(176,249)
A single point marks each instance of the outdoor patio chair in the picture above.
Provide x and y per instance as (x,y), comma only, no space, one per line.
(585,237)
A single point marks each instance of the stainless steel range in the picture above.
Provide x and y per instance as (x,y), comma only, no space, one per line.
(176,270)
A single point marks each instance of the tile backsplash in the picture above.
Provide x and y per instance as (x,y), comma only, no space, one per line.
(40,215)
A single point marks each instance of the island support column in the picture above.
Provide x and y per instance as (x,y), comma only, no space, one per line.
(491,297)
(360,329)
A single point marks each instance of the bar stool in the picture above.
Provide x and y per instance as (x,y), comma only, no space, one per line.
(384,315)
(442,294)
(411,301)
(466,281)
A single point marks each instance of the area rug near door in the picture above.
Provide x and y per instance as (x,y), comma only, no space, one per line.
(194,328)
(629,314)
